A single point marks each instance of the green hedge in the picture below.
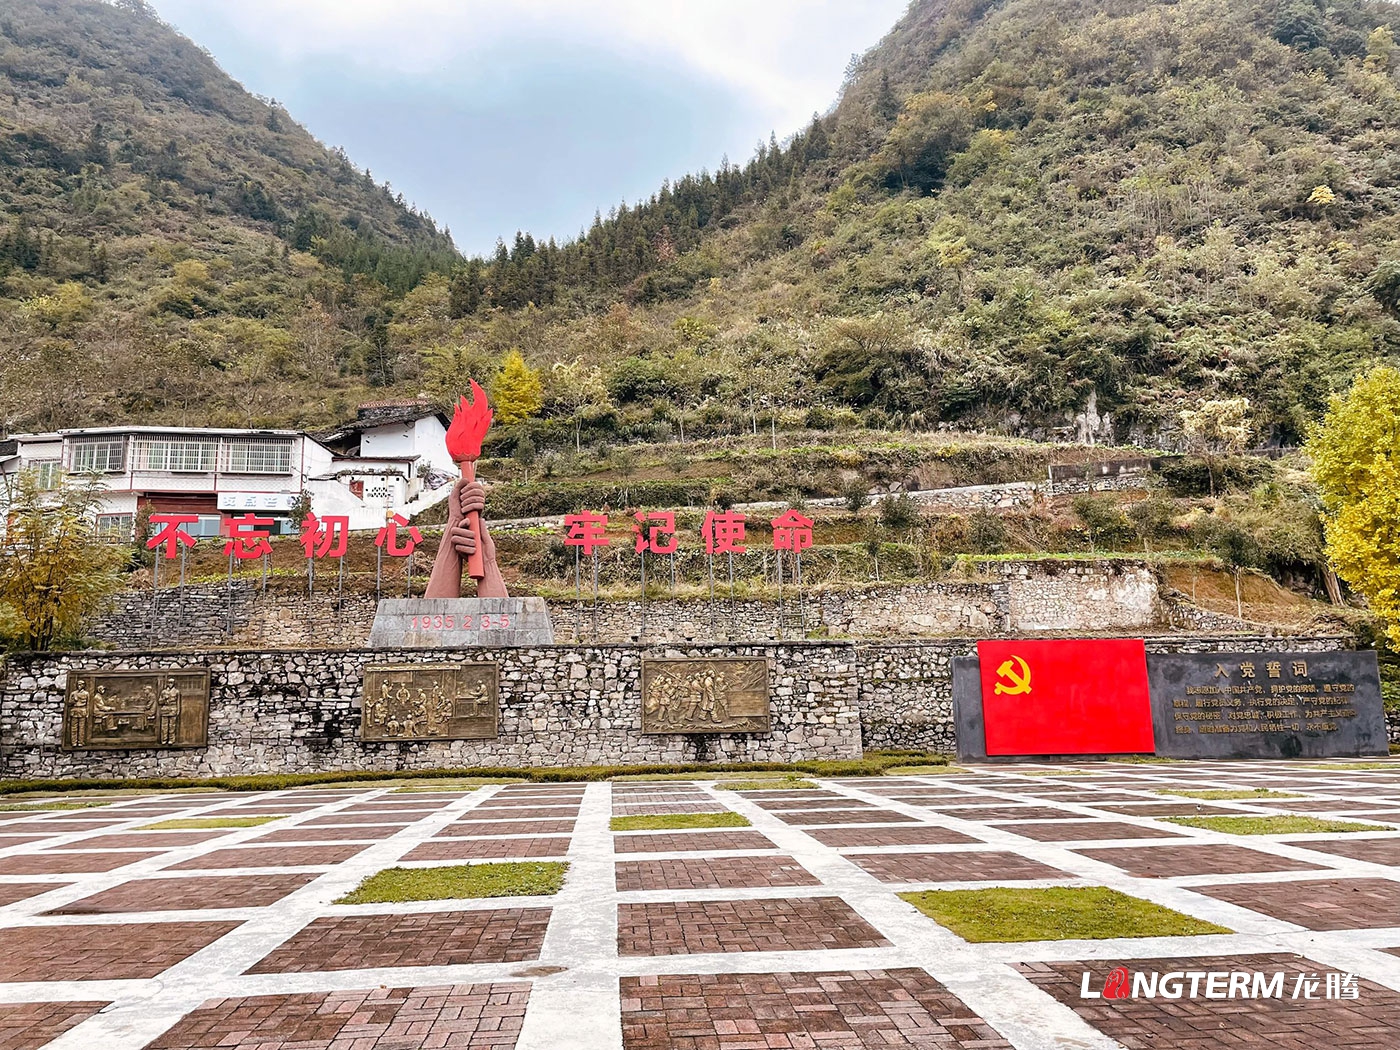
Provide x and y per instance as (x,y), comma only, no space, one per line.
(874,763)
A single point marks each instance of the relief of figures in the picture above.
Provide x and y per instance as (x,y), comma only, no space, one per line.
(415,702)
(705,696)
(114,710)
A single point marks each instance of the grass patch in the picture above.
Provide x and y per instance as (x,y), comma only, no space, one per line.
(677,821)
(42,807)
(1389,767)
(1058,913)
(765,785)
(873,764)
(1225,794)
(1143,760)
(457,881)
(197,823)
(1292,825)
(924,771)
(1055,773)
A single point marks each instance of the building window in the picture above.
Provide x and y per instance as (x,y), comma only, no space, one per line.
(198,457)
(47,474)
(118,527)
(259,457)
(102,455)
(207,525)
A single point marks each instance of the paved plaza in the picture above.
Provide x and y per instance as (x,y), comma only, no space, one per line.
(787,934)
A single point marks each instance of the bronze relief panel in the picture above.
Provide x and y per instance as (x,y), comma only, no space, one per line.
(121,710)
(430,702)
(705,696)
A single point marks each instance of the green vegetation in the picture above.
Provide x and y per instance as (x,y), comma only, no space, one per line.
(875,763)
(45,806)
(1223,795)
(1384,767)
(459,881)
(766,785)
(55,570)
(995,220)
(1290,825)
(678,821)
(1057,913)
(1354,454)
(195,823)
(923,771)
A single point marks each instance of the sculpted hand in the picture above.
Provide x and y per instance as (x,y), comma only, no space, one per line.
(468,497)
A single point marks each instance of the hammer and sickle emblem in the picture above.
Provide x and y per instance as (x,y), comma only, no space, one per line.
(1019,683)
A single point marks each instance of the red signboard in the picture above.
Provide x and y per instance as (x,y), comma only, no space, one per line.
(1065,697)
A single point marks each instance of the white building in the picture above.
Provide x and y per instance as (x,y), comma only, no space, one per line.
(389,462)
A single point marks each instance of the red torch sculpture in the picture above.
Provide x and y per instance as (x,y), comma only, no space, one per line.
(470,423)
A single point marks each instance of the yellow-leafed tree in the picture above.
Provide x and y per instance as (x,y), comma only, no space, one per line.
(1356,462)
(517,393)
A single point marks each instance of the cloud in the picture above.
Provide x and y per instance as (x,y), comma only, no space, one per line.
(533,114)
(787,55)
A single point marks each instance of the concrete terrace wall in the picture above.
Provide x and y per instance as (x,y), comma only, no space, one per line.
(1014,596)
(289,711)
(283,711)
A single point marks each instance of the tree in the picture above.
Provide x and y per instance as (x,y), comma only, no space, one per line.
(55,571)
(1355,454)
(1220,426)
(517,393)
(1384,287)
(577,388)
(886,103)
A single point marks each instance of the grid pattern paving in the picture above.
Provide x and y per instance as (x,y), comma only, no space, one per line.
(787,935)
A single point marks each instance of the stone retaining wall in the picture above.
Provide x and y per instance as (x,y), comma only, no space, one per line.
(1078,597)
(299,711)
(283,711)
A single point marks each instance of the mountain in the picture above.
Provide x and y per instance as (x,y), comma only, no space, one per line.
(1043,217)
(173,248)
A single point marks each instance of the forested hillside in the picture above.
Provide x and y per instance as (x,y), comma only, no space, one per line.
(174,249)
(1039,216)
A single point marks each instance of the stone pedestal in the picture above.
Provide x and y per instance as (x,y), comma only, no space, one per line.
(456,623)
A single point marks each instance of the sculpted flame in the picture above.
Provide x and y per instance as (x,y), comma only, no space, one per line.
(470,423)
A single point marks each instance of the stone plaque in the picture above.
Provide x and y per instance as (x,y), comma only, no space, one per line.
(453,623)
(1266,705)
(121,710)
(430,702)
(705,696)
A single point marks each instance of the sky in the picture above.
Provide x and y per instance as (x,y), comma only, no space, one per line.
(502,115)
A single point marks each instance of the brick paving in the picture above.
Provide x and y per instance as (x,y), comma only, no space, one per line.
(217,891)
(961,866)
(360,942)
(1320,904)
(1370,1022)
(845,816)
(471,1015)
(927,835)
(86,953)
(712,873)
(1164,862)
(67,863)
(878,1008)
(28,1026)
(799,924)
(667,939)
(271,857)
(675,842)
(10,892)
